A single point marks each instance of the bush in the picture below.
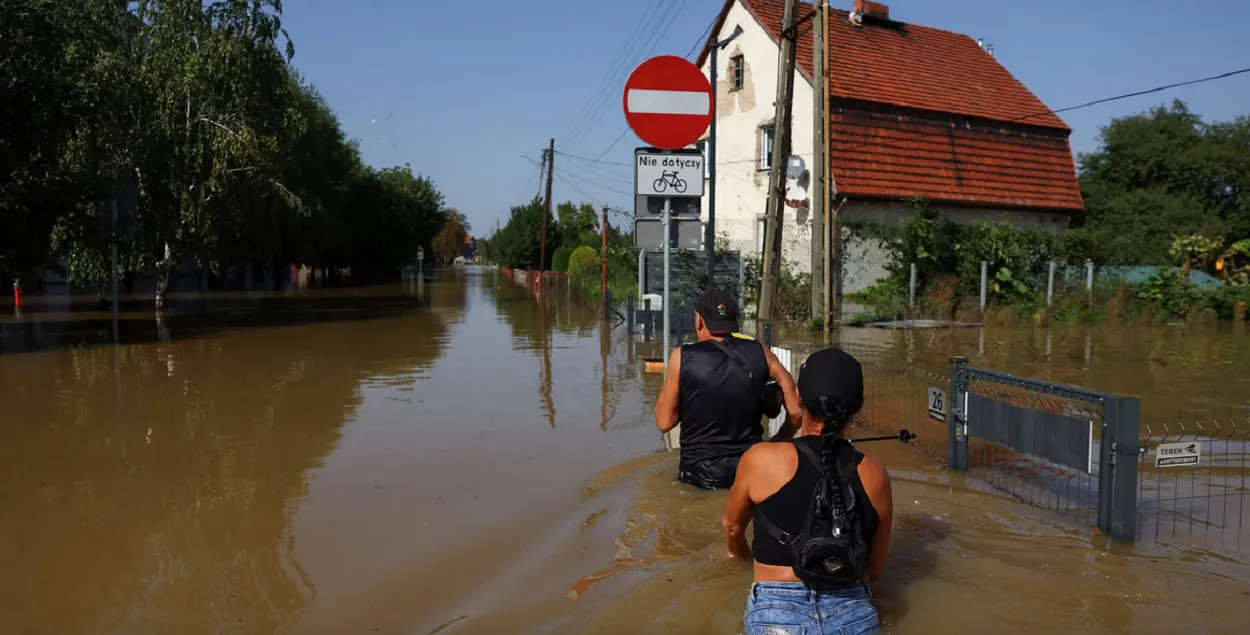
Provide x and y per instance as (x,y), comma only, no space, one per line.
(560,260)
(584,264)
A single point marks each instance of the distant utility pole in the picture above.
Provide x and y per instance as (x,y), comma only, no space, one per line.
(549,159)
(781,152)
(603,264)
(819,194)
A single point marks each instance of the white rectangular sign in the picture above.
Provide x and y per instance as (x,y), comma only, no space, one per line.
(1174,454)
(662,174)
(937,404)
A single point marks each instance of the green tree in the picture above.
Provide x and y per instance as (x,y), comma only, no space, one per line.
(451,239)
(518,244)
(578,225)
(1164,174)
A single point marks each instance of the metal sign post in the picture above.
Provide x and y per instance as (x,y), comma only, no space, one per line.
(668,103)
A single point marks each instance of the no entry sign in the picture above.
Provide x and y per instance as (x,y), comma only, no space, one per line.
(668,102)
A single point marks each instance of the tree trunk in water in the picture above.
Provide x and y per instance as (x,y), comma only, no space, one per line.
(162,276)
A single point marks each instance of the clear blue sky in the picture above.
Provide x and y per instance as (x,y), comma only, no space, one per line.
(460,89)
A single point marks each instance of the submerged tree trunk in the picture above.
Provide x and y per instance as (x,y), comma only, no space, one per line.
(162,276)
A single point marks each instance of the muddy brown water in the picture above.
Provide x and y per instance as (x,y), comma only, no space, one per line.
(456,456)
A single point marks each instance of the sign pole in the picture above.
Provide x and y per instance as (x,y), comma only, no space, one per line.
(668,244)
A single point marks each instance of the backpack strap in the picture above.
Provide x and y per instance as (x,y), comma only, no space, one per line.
(776,532)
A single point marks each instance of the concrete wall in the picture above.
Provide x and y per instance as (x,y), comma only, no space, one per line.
(864,260)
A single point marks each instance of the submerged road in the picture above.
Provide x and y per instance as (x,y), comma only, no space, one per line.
(456,456)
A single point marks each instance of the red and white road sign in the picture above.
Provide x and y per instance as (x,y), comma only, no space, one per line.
(668,102)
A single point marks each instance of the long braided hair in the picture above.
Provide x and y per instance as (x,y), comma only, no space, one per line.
(836,417)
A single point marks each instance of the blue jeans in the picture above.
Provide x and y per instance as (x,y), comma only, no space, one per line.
(791,608)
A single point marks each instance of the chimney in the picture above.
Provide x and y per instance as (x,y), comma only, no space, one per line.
(873,9)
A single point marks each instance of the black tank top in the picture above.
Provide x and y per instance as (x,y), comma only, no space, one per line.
(787,507)
(718,407)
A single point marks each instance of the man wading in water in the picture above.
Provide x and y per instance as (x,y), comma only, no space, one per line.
(717,389)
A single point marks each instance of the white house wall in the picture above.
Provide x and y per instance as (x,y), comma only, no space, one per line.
(742,189)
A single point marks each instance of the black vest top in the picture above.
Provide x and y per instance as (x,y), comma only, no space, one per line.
(718,407)
(787,507)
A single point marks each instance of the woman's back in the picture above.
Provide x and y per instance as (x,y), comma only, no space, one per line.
(815,551)
(781,485)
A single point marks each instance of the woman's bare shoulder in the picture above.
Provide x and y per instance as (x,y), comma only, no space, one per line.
(873,474)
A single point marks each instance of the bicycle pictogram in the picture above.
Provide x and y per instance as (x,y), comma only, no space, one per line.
(669,178)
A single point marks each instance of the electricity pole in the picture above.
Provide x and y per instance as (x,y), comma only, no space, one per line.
(781,152)
(603,264)
(820,88)
(549,159)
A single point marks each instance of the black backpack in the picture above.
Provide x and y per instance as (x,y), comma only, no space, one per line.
(831,549)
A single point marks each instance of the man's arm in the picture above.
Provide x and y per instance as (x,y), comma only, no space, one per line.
(738,507)
(789,393)
(666,403)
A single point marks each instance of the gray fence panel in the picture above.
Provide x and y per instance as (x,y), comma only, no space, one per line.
(1061,439)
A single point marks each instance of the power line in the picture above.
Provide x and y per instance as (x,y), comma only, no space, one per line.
(702,40)
(604,99)
(594,183)
(590,160)
(1043,113)
(674,10)
(626,51)
(576,189)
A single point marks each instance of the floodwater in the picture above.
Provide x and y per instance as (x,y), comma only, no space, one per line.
(456,456)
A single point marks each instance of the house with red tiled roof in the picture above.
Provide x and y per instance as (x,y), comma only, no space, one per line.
(913,111)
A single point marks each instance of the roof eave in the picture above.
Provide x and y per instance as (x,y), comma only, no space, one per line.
(963,202)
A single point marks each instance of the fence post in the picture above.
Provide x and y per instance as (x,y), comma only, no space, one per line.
(957,417)
(911,293)
(650,323)
(985,268)
(1050,285)
(1089,276)
(1106,470)
(629,315)
(1122,515)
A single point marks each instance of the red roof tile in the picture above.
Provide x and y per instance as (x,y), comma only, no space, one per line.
(892,133)
(915,67)
(888,155)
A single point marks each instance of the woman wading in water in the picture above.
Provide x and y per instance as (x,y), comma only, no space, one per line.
(822,513)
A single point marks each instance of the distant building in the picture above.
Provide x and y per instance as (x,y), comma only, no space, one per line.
(914,111)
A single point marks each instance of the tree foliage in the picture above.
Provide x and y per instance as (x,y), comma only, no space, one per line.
(189,116)
(451,240)
(1161,175)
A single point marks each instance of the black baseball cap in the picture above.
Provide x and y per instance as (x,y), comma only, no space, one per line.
(832,373)
(719,311)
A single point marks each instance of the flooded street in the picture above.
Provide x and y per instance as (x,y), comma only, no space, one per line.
(455,456)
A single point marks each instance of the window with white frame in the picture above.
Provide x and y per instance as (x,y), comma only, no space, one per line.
(766,147)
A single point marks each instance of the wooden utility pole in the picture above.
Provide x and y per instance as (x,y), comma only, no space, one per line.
(549,160)
(603,263)
(820,88)
(830,238)
(781,153)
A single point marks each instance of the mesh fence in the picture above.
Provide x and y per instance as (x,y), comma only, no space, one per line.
(1037,443)
(1193,477)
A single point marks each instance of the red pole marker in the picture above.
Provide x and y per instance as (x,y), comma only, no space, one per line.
(17,295)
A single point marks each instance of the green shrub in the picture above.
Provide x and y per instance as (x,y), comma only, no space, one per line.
(584,264)
(560,260)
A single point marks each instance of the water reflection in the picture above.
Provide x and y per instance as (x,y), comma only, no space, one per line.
(151,487)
